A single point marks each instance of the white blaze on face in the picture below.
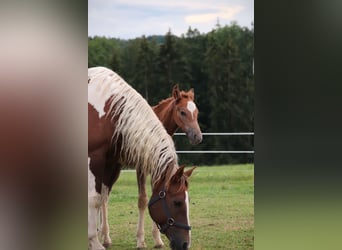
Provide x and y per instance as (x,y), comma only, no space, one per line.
(187,203)
(191,107)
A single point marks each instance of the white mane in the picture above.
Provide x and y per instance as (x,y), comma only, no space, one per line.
(145,142)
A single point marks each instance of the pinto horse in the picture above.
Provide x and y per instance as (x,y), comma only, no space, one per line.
(124,130)
(177,111)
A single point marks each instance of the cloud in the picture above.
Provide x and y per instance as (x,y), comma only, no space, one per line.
(226,13)
(175,4)
(130,19)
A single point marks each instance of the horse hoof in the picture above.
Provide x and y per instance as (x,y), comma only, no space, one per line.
(142,247)
(159,246)
(107,244)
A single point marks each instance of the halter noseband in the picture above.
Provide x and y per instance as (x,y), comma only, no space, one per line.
(170,221)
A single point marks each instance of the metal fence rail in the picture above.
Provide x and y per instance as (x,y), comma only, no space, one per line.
(234,133)
(213,152)
(218,151)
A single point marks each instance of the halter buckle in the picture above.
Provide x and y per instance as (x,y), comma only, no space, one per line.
(162,194)
(170,221)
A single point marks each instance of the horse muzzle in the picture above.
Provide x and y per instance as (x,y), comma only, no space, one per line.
(178,245)
(195,137)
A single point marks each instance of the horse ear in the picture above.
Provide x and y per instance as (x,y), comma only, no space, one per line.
(179,173)
(176,92)
(192,93)
(189,172)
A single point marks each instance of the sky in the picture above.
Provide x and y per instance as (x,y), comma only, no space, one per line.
(128,19)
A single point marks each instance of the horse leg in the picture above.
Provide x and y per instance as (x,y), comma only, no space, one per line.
(112,172)
(94,202)
(158,243)
(107,241)
(142,203)
(93,208)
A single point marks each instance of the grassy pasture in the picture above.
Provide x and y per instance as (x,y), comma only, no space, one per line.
(221,209)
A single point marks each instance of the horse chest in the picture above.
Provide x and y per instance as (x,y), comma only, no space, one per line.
(104,166)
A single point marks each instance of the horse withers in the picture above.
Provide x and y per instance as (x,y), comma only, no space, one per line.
(124,130)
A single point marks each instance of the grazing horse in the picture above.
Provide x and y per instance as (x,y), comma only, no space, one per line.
(177,111)
(124,130)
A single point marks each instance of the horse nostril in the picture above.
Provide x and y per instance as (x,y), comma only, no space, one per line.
(198,139)
(185,245)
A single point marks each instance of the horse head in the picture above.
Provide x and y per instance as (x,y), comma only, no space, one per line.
(185,114)
(169,208)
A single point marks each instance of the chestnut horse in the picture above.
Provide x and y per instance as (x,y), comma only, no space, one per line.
(180,111)
(177,111)
(124,130)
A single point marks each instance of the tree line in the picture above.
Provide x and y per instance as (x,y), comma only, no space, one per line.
(219,66)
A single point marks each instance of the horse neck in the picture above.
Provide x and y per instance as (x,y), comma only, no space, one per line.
(164,110)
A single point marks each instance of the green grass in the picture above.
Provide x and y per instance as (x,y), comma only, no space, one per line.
(221,209)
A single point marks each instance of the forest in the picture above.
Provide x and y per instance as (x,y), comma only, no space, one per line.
(219,65)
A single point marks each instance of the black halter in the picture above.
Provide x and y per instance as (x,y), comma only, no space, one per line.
(170,221)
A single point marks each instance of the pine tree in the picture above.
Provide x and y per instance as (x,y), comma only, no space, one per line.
(218,65)
(145,67)
(172,64)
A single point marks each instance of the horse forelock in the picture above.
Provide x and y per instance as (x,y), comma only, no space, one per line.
(144,141)
(181,185)
(187,95)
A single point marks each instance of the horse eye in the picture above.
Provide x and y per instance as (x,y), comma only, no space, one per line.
(177,203)
(183,113)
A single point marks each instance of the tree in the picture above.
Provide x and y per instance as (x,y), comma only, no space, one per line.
(145,66)
(100,51)
(171,64)
(218,65)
